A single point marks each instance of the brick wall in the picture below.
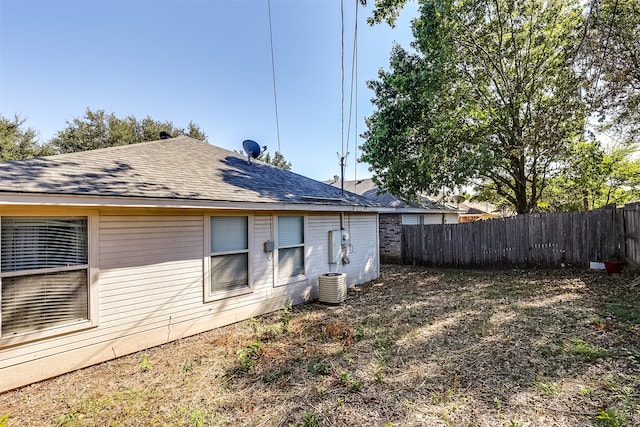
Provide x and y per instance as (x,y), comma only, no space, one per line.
(390,233)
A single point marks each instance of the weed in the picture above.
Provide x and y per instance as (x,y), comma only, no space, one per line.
(549,388)
(320,368)
(254,324)
(378,376)
(4,420)
(248,356)
(632,354)
(610,418)
(359,333)
(286,315)
(187,367)
(387,424)
(145,363)
(196,418)
(309,420)
(63,420)
(498,403)
(627,398)
(588,352)
(382,343)
(513,423)
(351,384)
(355,386)
(586,391)
(624,312)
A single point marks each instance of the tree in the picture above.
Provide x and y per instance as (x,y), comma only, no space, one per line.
(490,93)
(18,142)
(100,130)
(610,53)
(591,177)
(278,159)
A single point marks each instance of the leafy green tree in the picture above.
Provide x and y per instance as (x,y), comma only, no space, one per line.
(591,177)
(98,129)
(610,53)
(490,93)
(20,142)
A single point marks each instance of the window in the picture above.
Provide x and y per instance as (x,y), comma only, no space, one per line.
(229,253)
(44,269)
(411,219)
(290,247)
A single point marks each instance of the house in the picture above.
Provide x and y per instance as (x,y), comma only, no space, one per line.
(477,211)
(107,252)
(469,211)
(396,212)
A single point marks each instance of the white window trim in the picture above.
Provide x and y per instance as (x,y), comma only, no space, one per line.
(276,268)
(206,261)
(92,282)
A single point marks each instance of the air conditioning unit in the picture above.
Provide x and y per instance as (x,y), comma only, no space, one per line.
(332,287)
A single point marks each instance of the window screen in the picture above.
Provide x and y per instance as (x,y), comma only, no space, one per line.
(229,253)
(32,301)
(229,233)
(290,246)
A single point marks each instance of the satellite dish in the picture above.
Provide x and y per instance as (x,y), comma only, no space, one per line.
(458,199)
(252,149)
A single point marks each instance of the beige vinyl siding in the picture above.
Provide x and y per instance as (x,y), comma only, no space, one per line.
(451,218)
(262,273)
(318,244)
(363,232)
(151,287)
(363,254)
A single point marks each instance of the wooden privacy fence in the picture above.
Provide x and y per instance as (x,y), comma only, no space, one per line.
(572,238)
(631,214)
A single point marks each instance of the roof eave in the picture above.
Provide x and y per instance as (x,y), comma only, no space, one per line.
(38,199)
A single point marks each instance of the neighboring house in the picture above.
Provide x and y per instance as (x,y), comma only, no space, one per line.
(468,211)
(108,252)
(396,212)
(474,211)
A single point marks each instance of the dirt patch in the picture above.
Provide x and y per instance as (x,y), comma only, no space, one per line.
(416,347)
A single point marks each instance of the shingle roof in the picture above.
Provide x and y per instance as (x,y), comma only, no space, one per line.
(176,168)
(367,188)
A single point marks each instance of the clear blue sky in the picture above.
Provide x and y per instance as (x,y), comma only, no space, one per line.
(203,61)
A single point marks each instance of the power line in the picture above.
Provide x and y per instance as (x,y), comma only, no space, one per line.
(273,75)
(342,75)
(355,60)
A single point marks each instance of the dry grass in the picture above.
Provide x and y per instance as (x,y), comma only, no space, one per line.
(417,347)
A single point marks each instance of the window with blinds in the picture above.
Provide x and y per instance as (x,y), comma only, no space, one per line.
(290,247)
(44,273)
(229,253)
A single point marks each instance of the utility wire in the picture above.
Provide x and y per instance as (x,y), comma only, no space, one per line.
(273,75)
(353,66)
(355,60)
(342,75)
